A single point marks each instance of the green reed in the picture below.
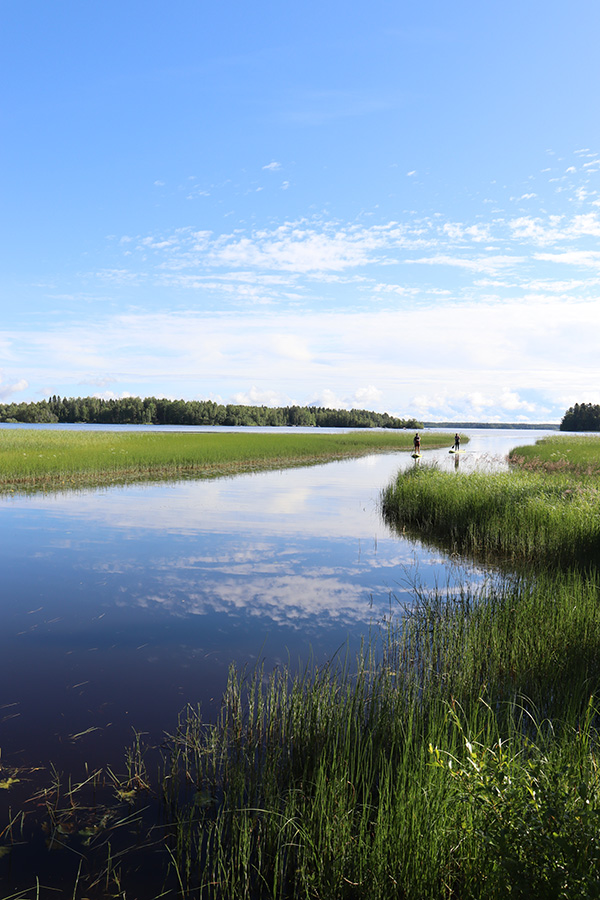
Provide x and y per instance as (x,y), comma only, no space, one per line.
(55,458)
(578,454)
(335,782)
(456,756)
(518,516)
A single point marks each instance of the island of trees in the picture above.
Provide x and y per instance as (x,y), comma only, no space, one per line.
(581,417)
(159,411)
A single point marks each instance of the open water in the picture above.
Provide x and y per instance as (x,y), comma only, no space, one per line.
(119,606)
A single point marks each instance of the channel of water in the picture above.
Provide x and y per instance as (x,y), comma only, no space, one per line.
(119,606)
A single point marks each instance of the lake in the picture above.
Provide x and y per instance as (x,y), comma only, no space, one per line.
(119,606)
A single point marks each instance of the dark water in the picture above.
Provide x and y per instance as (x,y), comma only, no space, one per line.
(119,606)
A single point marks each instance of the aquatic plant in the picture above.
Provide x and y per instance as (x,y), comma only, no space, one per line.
(514,516)
(54,459)
(322,784)
(579,455)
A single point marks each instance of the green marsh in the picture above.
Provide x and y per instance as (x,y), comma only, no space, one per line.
(576,454)
(47,458)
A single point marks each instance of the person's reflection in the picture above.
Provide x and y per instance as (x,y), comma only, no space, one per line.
(456,461)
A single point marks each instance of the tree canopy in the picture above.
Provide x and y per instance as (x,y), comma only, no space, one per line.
(159,411)
(581,417)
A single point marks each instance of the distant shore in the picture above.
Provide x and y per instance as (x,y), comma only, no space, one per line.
(541,426)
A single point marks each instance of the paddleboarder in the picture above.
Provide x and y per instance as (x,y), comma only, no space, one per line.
(417,443)
(456,442)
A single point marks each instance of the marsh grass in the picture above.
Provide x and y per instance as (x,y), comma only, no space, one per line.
(54,459)
(579,455)
(337,783)
(516,516)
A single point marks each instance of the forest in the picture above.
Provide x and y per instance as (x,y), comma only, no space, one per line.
(160,411)
(581,417)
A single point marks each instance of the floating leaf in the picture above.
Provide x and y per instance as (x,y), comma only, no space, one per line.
(6,783)
(126,795)
(4,851)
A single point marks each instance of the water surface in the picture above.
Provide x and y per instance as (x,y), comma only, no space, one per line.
(118,606)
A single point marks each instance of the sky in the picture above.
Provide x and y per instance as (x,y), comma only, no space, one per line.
(385,205)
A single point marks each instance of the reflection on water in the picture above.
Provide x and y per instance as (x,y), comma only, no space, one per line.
(119,606)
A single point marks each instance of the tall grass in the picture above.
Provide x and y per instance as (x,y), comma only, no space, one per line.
(517,516)
(337,783)
(53,458)
(579,454)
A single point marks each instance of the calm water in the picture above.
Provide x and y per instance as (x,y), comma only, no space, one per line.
(119,606)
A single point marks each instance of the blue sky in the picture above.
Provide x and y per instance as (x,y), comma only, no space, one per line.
(387,205)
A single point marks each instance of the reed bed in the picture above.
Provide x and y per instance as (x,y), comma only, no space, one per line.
(579,455)
(50,458)
(517,516)
(427,768)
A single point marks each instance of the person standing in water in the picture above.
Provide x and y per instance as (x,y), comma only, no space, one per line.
(417,443)
(457,442)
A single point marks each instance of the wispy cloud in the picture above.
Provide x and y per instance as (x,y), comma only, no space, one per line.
(372,358)
(343,312)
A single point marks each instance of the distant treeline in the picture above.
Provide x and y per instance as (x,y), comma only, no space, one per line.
(581,417)
(156,411)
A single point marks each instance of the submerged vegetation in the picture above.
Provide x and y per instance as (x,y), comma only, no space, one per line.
(456,757)
(52,459)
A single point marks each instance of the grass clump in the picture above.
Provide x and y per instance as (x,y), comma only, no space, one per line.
(577,455)
(517,516)
(52,459)
(422,770)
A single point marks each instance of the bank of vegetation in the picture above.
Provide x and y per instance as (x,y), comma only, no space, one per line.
(456,757)
(51,459)
(160,411)
(569,455)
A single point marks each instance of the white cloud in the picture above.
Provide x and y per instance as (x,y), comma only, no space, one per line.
(257,397)
(369,397)
(456,231)
(587,258)
(377,359)
(488,264)
(272,166)
(111,395)
(8,390)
